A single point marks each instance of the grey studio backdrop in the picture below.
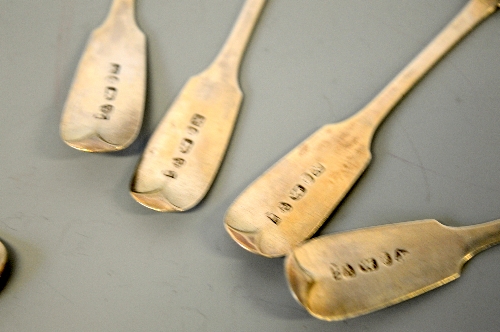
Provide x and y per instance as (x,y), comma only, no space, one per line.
(86,257)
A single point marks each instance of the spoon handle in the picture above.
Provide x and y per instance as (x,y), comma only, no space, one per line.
(229,58)
(186,150)
(123,9)
(469,17)
(344,275)
(105,104)
(480,237)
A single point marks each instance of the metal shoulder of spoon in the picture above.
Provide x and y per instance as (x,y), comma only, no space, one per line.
(186,150)
(349,274)
(3,257)
(292,199)
(105,105)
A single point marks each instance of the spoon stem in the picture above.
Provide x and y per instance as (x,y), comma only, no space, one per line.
(470,16)
(229,58)
(481,237)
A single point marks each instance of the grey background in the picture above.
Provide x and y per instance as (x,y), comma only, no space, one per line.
(86,257)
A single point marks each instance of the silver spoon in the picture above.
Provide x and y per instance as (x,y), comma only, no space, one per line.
(290,201)
(186,150)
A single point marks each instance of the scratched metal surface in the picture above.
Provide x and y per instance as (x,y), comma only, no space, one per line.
(86,257)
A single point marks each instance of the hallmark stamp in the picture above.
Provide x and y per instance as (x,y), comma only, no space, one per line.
(110,93)
(349,270)
(187,144)
(297,192)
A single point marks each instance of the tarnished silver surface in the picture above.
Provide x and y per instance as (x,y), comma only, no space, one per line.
(86,257)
